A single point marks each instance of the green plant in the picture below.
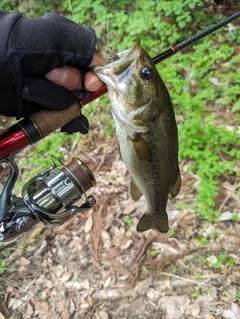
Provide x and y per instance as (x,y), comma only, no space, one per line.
(214,234)
(200,259)
(202,81)
(144,268)
(171,232)
(202,240)
(235,217)
(8,5)
(58,144)
(153,253)
(2,267)
(220,259)
(180,206)
(174,270)
(236,106)
(201,139)
(128,221)
(31,8)
(198,293)
(230,261)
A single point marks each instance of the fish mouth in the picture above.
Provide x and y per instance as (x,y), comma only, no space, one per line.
(128,113)
(125,53)
(126,57)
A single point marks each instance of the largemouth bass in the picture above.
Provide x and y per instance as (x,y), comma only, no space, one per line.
(146,130)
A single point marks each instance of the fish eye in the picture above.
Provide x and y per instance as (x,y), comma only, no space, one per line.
(146,74)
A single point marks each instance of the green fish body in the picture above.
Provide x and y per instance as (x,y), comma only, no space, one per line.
(146,131)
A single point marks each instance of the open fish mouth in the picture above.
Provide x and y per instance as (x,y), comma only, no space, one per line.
(121,60)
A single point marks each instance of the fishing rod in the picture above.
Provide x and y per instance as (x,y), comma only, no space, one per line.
(51,195)
(39,125)
(179,47)
(173,50)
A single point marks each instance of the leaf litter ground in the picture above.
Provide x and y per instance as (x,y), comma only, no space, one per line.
(97,266)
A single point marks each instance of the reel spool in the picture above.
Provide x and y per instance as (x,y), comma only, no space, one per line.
(48,197)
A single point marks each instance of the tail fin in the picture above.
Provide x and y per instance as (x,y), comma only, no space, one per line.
(148,221)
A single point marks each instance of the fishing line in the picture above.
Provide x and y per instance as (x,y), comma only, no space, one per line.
(108,23)
(79,120)
(90,132)
(173,50)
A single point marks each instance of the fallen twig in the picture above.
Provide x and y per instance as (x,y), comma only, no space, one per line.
(205,282)
(4,310)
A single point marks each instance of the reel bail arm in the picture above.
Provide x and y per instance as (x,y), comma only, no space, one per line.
(47,197)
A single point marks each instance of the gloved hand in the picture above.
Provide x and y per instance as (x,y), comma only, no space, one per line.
(29,49)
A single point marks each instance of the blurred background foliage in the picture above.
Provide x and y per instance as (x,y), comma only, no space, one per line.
(203,80)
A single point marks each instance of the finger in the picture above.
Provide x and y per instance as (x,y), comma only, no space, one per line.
(92,82)
(67,76)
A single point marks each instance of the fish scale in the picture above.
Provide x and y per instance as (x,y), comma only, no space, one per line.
(146,130)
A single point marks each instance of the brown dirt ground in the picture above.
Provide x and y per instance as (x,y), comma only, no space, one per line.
(98,266)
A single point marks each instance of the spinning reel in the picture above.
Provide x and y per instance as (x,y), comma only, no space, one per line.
(48,197)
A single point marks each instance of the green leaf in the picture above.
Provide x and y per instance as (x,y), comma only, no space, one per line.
(200,259)
(236,107)
(191,5)
(230,261)
(128,221)
(144,268)
(202,240)
(153,253)
(171,232)
(182,24)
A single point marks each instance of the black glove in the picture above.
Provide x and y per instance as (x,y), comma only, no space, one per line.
(30,48)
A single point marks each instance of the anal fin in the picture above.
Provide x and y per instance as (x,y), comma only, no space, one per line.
(134,191)
(177,186)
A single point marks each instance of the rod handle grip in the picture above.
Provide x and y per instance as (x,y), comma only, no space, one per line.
(47,121)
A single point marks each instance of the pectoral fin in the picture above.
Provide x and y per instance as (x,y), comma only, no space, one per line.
(141,147)
(134,191)
(176,186)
